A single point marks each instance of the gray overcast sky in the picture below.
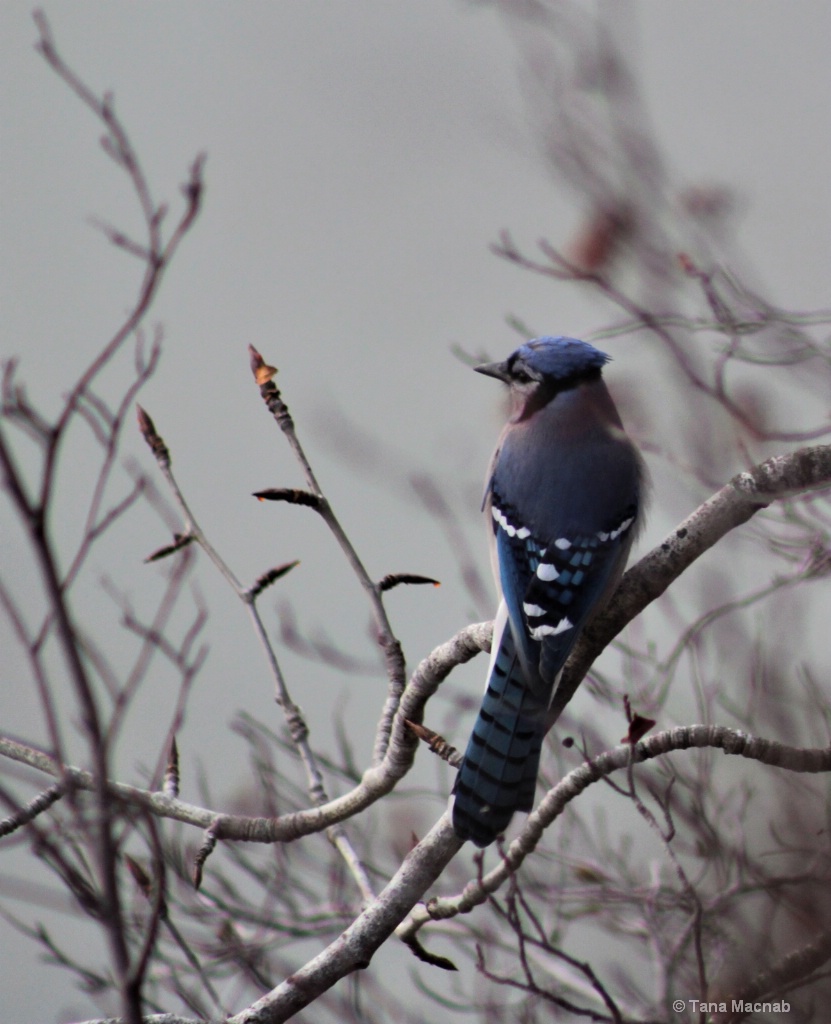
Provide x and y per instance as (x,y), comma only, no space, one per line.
(361,158)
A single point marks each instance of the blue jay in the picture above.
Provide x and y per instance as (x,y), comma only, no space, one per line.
(563,498)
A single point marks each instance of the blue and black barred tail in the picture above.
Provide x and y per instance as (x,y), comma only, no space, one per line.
(498,774)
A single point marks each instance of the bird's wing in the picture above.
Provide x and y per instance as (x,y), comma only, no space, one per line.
(553,585)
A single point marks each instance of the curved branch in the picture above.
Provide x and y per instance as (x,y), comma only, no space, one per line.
(795,759)
(376,781)
(778,478)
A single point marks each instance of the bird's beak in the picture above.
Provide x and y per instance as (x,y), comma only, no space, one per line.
(498,370)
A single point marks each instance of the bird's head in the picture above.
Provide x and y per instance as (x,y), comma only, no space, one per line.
(557,363)
(541,369)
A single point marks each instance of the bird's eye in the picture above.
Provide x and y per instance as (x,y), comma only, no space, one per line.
(521,377)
